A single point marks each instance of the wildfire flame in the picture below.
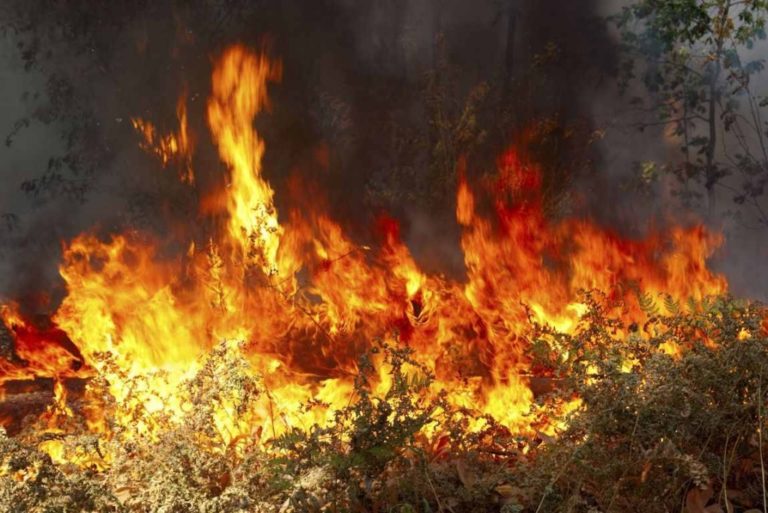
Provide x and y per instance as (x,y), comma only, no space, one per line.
(156,317)
(172,147)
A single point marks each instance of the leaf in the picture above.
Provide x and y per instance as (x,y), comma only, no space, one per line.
(649,171)
(696,500)
(466,476)
(647,303)
(545,438)
(671,305)
(509,495)
(699,141)
(646,469)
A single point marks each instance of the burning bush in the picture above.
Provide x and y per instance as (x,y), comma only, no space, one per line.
(654,428)
(672,415)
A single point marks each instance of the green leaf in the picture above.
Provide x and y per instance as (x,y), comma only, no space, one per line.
(647,304)
(671,305)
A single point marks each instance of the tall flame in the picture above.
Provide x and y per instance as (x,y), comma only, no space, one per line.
(239,93)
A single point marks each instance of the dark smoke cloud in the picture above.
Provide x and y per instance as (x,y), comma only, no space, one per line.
(353,71)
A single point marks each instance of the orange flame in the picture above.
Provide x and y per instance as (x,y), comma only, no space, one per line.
(172,147)
(239,93)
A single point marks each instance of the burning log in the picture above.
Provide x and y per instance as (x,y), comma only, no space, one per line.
(27,388)
(20,399)
(8,348)
(33,346)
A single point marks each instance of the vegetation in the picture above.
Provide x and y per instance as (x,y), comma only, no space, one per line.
(697,63)
(672,431)
(665,416)
(657,429)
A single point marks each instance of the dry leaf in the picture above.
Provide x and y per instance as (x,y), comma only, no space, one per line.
(545,438)
(505,490)
(697,498)
(508,494)
(466,476)
(124,492)
(644,474)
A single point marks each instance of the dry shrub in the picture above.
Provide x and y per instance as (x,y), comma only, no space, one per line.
(654,432)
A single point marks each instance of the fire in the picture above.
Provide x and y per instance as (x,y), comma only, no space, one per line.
(302,302)
(172,147)
(239,93)
(37,351)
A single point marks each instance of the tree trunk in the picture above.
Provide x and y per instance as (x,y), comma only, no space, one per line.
(509,53)
(712,175)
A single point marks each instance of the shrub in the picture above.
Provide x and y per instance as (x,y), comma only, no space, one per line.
(670,417)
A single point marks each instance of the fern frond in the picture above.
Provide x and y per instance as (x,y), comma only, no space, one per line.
(671,305)
(647,303)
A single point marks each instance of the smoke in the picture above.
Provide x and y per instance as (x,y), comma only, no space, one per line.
(21,232)
(344,117)
(624,148)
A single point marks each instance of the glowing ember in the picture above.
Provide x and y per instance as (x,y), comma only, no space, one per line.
(133,313)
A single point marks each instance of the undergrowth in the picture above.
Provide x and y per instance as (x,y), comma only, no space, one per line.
(670,417)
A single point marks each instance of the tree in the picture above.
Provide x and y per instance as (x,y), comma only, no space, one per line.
(691,57)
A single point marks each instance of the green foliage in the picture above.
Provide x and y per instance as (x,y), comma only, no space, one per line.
(375,457)
(373,430)
(689,55)
(647,303)
(50,489)
(652,427)
(453,129)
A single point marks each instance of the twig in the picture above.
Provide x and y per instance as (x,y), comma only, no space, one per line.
(627,467)
(554,480)
(292,300)
(432,487)
(271,411)
(727,464)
